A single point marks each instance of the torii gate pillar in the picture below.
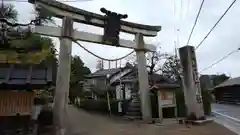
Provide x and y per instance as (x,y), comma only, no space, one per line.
(143,79)
(63,78)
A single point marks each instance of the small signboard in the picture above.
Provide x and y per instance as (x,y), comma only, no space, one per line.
(119,92)
(167,98)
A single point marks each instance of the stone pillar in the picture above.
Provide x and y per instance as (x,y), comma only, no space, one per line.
(160,113)
(63,78)
(191,84)
(143,79)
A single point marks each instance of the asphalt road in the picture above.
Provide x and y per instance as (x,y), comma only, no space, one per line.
(229,110)
(228,116)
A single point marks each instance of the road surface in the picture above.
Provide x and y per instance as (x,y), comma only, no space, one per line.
(228,116)
(230,110)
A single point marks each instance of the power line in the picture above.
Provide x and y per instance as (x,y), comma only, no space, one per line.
(220,60)
(195,22)
(215,24)
(175,29)
(177,25)
(58,0)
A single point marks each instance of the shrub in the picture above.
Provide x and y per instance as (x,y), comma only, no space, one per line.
(207,99)
(100,105)
(95,105)
(181,108)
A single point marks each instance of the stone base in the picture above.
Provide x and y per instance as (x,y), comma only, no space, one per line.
(133,117)
(140,120)
(198,122)
(148,121)
(194,122)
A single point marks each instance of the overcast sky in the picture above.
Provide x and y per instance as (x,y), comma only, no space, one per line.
(222,40)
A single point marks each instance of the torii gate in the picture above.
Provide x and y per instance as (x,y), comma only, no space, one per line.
(70,14)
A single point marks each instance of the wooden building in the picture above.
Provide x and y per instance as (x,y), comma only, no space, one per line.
(228,91)
(17,85)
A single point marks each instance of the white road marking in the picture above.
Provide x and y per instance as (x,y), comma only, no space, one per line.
(227,121)
(228,124)
(227,116)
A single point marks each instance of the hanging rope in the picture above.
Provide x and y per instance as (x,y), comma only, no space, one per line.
(75,41)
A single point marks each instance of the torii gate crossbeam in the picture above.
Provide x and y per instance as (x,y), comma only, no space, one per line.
(61,10)
(70,14)
(87,37)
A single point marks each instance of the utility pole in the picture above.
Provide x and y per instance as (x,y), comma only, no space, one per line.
(63,78)
(191,83)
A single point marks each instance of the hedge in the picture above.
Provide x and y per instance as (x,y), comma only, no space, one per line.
(101,105)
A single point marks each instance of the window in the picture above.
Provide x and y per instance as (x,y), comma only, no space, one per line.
(94,81)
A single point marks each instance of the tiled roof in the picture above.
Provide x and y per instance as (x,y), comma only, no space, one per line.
(20,75)
(104,72)
(111,71)
(230,82)
(165,86)
(159,79)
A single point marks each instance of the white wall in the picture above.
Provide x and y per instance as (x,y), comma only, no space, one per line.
(128,91)
(119,92)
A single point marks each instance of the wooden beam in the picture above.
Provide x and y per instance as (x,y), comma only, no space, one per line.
(61,10)
(87,37)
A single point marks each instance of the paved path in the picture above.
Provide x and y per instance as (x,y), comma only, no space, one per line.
(228,116)
(82,123)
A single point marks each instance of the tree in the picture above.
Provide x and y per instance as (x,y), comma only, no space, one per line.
(9,12)
(78,71)
(42,48)
(163,63)
(44,51)
(154,60)
(100,65)
(43,15)
(172,69)
(218,79)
